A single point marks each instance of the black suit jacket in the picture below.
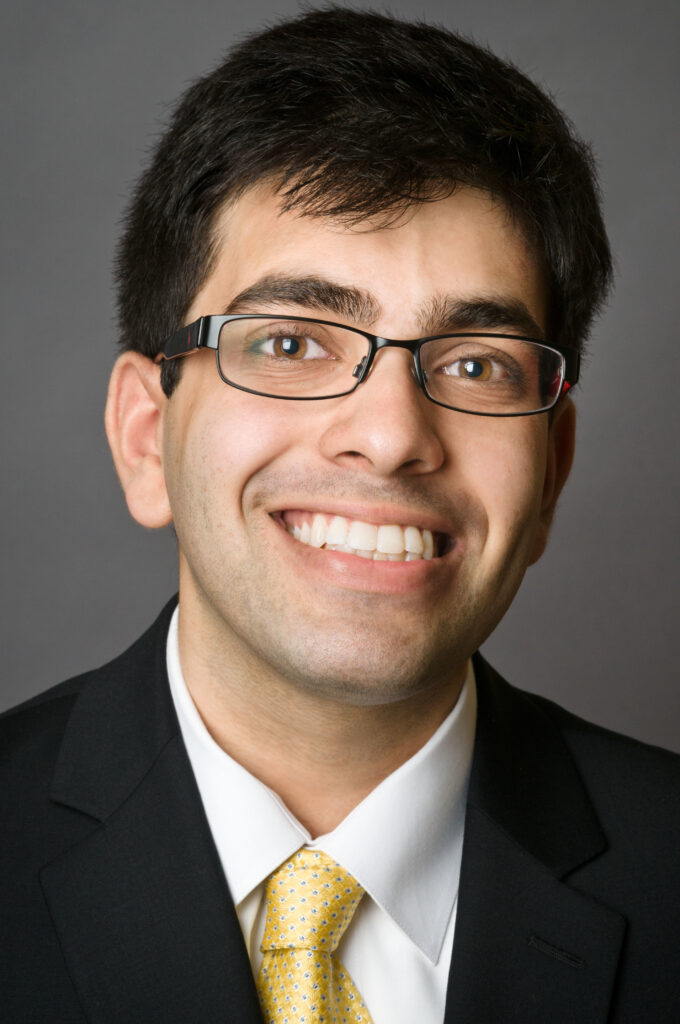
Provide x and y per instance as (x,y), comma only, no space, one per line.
(114,907)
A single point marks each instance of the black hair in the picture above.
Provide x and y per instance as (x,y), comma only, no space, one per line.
(351,114)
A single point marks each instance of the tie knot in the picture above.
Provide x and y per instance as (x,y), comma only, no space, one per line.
(310,902)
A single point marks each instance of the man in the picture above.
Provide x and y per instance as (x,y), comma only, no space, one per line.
(301,795)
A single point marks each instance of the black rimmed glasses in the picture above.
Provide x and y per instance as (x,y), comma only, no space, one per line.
(303,359)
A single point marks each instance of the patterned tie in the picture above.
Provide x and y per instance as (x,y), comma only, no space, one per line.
(310,902)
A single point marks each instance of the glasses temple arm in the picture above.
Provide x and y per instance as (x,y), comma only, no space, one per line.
(186,340)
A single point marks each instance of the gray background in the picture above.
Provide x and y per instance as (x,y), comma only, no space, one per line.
(86,86)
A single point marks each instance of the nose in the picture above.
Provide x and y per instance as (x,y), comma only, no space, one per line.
(387,425)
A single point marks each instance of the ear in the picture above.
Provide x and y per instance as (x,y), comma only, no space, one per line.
(559,459)
(134,419)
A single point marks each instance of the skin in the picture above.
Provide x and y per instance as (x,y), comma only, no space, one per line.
(322,673)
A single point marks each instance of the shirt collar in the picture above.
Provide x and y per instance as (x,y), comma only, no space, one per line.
(403,842)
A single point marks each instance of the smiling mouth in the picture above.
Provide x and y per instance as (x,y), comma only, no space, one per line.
(388,542)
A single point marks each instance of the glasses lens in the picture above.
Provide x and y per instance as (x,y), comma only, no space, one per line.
(290,358)
(491,374)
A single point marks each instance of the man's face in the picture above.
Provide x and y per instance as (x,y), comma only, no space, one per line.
(239,467)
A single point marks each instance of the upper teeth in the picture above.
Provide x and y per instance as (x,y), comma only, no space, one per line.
(382,543)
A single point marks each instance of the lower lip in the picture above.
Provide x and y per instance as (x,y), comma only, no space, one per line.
(352,572)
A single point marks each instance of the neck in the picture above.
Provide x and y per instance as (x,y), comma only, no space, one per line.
(322,756)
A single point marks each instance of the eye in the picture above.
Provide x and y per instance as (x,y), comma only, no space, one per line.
(476,368)
(291,347)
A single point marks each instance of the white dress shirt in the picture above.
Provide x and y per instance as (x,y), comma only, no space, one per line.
(403,843)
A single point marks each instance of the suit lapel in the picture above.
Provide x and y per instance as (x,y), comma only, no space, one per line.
(141,906)
(528,947)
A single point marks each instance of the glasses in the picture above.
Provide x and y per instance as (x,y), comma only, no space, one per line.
(302,359)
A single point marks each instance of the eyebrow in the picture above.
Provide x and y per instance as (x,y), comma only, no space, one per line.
(436,316)
(312,293)
(447,313)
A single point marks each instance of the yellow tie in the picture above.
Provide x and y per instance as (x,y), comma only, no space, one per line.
(310,902)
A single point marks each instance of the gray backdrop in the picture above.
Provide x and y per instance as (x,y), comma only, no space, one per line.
(88,85)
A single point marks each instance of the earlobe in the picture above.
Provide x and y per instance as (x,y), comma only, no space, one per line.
(134,420)
(559,459)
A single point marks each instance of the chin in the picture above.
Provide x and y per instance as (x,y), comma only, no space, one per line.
(368,674)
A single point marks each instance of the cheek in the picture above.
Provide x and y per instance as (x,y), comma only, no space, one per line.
(214,446)
(507,470)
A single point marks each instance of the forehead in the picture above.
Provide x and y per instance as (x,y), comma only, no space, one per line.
(464,247)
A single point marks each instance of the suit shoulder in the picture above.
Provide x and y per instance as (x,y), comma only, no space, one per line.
(43,718)
(597,740)
(637,783)
(634,787)
(31,737)
(67,688)
(38,723)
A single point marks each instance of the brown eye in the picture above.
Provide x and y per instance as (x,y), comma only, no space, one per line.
(289,348)
(473,369)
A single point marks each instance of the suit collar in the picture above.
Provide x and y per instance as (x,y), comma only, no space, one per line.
(528,947)
(140,905)
(121,721)
(524,777)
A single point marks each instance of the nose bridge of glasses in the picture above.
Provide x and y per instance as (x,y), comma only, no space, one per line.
(362,369)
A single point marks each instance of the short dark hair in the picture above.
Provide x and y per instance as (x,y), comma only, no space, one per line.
(350,114)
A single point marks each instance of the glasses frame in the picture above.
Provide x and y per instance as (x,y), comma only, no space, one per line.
(204,333)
